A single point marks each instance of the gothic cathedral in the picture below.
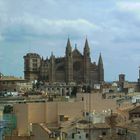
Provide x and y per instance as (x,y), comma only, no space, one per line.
(73,67)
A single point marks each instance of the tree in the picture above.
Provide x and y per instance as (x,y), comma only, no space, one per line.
(8,109)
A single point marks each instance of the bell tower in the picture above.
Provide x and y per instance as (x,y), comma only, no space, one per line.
(69,62)
(52,68)
(87,62)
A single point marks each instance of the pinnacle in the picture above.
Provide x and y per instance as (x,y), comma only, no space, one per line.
(68,43)
(100,59)
(86,44)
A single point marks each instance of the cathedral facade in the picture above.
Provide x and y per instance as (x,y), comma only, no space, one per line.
(73,67)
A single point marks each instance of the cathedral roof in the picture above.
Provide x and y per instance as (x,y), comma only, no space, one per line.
(135,110)
(32,55)
(93,66)
(60,59)
(76,52)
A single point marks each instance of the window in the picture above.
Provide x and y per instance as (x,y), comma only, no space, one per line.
(87,113)
(103,133)
(87,135)
(34,64)
(72,135)
(34,69)
(34,60)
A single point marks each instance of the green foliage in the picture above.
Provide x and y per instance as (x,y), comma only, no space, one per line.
(8,109)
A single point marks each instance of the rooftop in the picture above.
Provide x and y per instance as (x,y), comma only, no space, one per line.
(132,125)
(10,78)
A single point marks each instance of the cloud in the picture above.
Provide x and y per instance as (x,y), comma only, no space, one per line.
(132,7)
(112,28)
(129,6)
(28,27)
(123,27)
(1,38)
(61,26)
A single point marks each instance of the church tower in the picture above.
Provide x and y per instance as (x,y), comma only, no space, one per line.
(87,62)
(32,63)
(69,62)
(100,69)
(52,69)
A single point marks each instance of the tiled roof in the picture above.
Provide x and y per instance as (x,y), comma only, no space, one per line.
(135,110)
(10,78)
(131,125)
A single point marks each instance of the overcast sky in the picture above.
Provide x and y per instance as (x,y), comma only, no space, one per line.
(42,26)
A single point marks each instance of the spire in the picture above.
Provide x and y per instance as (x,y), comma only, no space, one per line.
(100,62)
(68,44)
(52,56)
(86,45)
(75,46)
(51,53)
(86,51)
(100,69)
(68,47)
(69,62)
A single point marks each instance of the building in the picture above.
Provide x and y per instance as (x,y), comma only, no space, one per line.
(129,131)
(48,113)
(94,102)
(134,113)
(136,99)
(38,119)
(14,84)
(85,130)
(63,112)
(73,67)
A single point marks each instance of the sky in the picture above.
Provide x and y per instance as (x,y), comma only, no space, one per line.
(43,26)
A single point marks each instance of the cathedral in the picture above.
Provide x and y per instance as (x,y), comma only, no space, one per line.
(73,67)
